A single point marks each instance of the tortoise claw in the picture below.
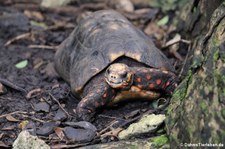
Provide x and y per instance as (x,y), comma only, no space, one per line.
(84,114)
(173,84)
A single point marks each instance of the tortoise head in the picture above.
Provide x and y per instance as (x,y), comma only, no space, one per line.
(119,75)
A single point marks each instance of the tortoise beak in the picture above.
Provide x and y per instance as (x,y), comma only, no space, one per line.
(116,82)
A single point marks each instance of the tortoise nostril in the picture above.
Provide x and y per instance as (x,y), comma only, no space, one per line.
(113,77)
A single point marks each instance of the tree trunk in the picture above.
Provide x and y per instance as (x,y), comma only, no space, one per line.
(197,110)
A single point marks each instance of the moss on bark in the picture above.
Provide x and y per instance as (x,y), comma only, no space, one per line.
(196,113)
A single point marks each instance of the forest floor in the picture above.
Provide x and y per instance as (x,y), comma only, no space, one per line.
(29,35)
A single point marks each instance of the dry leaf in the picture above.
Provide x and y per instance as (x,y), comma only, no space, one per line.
(11,118)
(59,132)
(3,90)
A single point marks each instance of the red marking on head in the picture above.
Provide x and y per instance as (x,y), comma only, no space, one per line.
(148,77)
(105,95)
(151,85)
(139,80)
(158,81)
(167,83)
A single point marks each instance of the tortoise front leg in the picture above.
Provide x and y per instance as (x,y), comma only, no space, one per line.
(98,97)
(155,79)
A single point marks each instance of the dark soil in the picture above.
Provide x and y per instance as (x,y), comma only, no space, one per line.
(45,27)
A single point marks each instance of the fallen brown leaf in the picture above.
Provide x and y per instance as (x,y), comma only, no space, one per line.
(11,118)
(3,90)
(59,132)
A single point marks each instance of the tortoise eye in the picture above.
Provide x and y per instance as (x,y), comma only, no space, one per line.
(124,75)
(108,71)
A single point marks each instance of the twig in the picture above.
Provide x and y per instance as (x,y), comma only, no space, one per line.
(176,54)
(16,112)
(22,36)
(185,61)
(30,93)
(26,35)
(42,47)
(186,41)
(113,133)
(33,118)
(24,114)
(175,40)
(56,146)
(108,127)
(111,117)
(11,85)
(59,105)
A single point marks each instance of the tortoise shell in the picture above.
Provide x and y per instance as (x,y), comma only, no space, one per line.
(97,41)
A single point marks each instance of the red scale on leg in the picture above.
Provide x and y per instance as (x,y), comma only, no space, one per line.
(148,77)
(105,95)
(151,85)
(167,83)
(139,80)
(158,82)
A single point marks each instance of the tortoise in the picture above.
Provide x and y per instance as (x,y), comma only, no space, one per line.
(106,60)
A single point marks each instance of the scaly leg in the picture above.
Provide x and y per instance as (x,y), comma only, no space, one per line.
(98,97)
(154,79)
